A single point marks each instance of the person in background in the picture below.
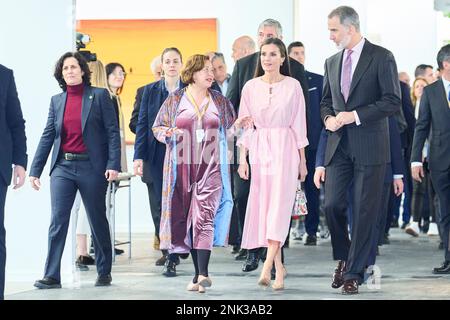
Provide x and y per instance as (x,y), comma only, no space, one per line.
(425,71)
(242,47)
(149,153)
(156,68)
(13,158)
(83,132)
(221,76)
(296,50)
(404,77)
(434,123)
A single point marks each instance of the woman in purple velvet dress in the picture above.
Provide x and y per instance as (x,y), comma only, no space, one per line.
(197,200)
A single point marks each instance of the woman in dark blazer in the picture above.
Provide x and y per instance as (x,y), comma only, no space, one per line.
(83,131)
(148,152)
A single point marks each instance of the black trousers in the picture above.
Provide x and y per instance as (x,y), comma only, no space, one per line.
(241,190)
(422,190)
(3,189)
(154,197)
(367,193)
(441,182)
(68,177)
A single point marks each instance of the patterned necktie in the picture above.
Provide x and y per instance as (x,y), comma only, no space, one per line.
(347,75)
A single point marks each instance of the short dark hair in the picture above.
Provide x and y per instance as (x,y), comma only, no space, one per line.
(83,65)
(285,68)
(171,49)
(420,70)
(443,55)
(110,67)
(194,64)
(294,44)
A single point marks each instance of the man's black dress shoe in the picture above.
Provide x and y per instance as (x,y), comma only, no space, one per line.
(47,283)
(170,269)
(338,276)
(386,239)
(86,260)
(118,252)
(350,287)
(252,261)
(242,255)
(103,281)
(235,249)
(311,240)
(443,269)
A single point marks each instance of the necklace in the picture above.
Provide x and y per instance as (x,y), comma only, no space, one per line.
(271,83)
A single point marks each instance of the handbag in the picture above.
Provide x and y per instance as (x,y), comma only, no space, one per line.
(300,208)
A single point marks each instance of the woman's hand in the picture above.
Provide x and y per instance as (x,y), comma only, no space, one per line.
(244,122)
(171,131)
(303,171)
(138,166)
(243,170)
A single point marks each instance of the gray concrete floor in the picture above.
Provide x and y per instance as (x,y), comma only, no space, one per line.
(405,265)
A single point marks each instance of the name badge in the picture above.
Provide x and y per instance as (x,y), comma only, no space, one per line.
(200,134)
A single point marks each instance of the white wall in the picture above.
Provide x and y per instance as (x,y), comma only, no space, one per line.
(235,17)
(34,34)
(409,28)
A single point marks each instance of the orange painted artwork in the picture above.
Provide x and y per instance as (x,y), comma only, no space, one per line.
(134,44)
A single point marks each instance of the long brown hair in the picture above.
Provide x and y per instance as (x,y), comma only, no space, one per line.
(285,68)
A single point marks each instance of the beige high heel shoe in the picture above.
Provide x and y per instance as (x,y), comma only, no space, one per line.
(204,281)
(278,286)
(192,286)
(201,289)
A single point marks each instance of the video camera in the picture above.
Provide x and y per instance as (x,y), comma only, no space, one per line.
(81,42)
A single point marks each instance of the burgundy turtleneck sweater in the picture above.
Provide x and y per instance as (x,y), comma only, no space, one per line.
(72,135)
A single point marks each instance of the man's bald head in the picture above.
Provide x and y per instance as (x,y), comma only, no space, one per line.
(243,46)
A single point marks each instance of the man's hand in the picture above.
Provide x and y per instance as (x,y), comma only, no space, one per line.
(319,176)
(332,124)
(138,166)
(111,175)
(398,186)
(18,176)
(345,117)
(35,183)
(417,173)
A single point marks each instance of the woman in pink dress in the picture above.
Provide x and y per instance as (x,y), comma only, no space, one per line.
(275,145)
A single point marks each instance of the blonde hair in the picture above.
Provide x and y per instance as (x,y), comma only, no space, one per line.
(98,74)
(413,96)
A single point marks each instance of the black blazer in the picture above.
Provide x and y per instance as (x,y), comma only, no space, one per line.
(146,147)
(374,94)
(315,125)
(12,127)
(244,70)
(100,132)
(136,108)
(434,115)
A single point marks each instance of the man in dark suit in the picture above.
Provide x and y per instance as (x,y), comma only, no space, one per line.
(434,117)
(244,70)
(14,152)
(361,90)
(296,50)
